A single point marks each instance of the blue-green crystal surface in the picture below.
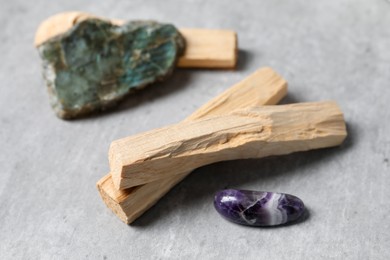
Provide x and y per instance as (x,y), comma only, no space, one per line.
(95,63)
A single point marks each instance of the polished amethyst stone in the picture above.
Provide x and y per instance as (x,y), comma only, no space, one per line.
(258,208)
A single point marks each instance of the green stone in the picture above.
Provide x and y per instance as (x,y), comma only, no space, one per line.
(95,64)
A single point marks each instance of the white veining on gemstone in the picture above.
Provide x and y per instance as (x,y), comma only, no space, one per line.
(256,208)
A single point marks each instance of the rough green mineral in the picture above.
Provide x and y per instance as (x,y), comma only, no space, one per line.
(95,63)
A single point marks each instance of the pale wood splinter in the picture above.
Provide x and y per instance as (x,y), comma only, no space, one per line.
(205,48)
(264,87)
(251,133)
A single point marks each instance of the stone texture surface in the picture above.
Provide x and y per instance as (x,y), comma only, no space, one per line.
(49,205)
(95,63)
(258,208)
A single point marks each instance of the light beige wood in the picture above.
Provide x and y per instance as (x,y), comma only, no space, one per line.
(251,133)
(209,49)
(131,203)
(264,87)
(205,48)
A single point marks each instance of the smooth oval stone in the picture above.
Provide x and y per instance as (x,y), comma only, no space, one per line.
(258,208)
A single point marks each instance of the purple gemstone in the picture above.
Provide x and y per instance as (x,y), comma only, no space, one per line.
(258,208)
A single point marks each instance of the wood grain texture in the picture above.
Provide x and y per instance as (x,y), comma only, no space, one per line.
(209,49)
(251,133)
(131,203)
(205,48)
(264,87)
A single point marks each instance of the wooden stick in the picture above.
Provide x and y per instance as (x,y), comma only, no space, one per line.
(251,133)
(131,203)
(264,87)
(209,49)
(204,48)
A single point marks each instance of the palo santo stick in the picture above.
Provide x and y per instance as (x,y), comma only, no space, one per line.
(204,48)
(131,203)
(209,49)
(264,87)
(251,133)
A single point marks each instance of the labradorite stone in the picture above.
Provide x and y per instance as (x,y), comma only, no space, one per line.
(95,63)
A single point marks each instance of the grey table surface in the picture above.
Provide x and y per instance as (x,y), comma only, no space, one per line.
(327,50)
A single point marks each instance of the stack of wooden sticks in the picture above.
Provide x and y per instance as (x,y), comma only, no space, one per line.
(240,123)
